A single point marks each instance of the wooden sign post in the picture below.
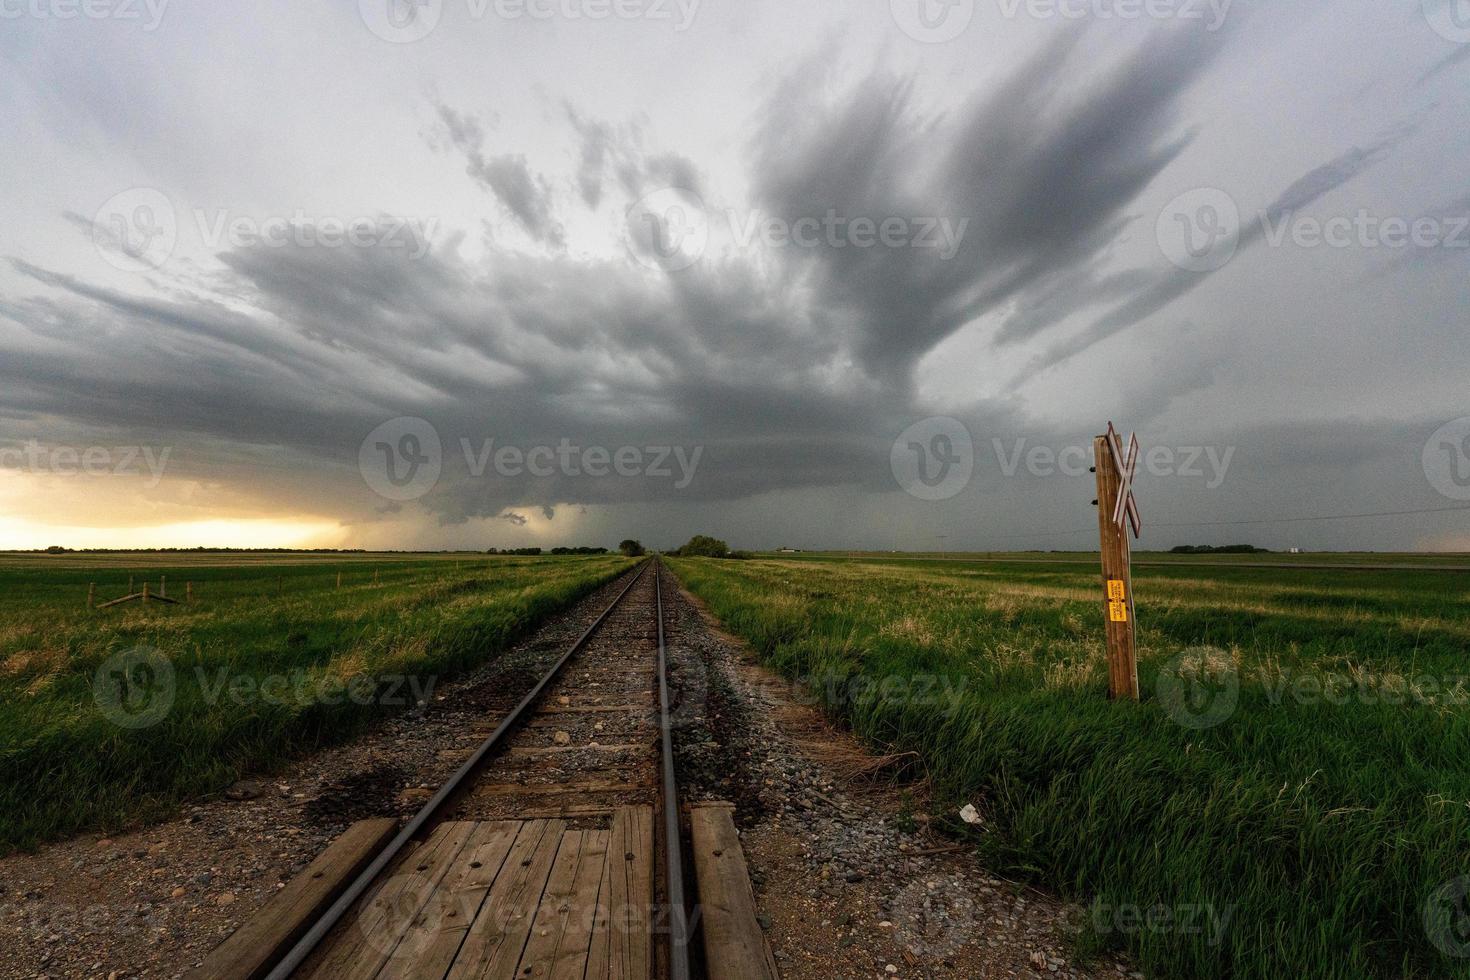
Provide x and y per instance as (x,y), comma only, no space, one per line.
(1117,508)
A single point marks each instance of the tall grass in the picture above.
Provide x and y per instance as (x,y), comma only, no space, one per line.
(1318,833)
(340,658)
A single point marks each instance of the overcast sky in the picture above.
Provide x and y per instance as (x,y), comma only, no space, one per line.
(473,273)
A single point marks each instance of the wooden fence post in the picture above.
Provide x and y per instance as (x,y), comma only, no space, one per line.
(163,586)
(145,593)
(91,595)
(188,591)
(339,578)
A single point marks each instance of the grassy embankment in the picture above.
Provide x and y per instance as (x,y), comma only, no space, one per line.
(1323,830)
(69,761)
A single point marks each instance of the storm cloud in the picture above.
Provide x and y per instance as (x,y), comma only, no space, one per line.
(790,366)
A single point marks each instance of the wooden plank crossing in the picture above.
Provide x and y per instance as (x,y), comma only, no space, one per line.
(496,900)
(621,947)
(734,944)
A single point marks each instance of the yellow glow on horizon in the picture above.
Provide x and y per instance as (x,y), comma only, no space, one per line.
(21,535)
(42,510)
(39,511)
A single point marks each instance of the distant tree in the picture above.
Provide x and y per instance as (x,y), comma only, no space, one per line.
(704,546)
(631,548)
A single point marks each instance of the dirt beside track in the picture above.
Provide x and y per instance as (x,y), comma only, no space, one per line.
(838,847)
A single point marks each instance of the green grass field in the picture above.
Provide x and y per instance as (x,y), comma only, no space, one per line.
(1291,797)
(1444,561)
(113,716)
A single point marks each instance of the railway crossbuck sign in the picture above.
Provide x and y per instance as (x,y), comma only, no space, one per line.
(1126,503)
(1117,512)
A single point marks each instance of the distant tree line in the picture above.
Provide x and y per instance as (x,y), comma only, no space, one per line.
(1213,549)
(533,552)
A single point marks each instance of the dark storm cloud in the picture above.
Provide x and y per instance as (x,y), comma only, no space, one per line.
(188,367)
(1039,172)
(788,374)
(537,351)
(605,151)
(789,369)
(618,153)
(597,145)
(526,195)
(1327,178)
(1163,290)
(1449,61)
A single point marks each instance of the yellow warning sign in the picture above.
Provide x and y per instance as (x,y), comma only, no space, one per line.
(1115,590)
(1118,612)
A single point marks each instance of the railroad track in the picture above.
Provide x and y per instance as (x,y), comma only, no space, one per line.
(554,851)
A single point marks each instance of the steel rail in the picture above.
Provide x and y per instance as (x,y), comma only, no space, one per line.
(673,839)
(329,919)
